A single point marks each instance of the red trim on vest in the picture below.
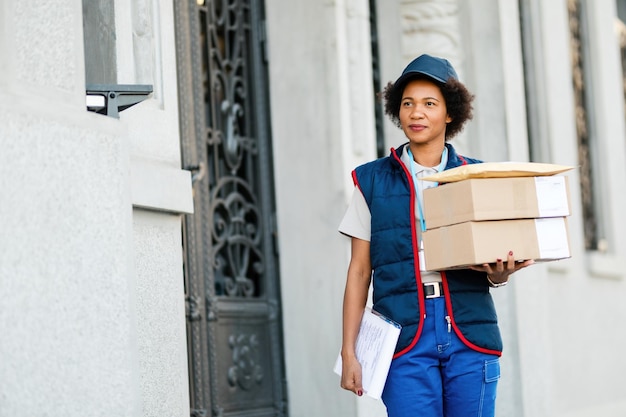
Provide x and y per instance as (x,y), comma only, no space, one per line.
(354,179)
(418,276)
(416,262)
(469,344)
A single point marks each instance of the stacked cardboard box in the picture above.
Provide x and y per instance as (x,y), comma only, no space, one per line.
(478,220)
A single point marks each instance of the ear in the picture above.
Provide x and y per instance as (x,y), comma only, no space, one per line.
(448,119)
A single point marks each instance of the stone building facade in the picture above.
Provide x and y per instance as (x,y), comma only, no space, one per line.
(95,316)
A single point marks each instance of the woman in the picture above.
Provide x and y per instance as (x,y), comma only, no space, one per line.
(447,358)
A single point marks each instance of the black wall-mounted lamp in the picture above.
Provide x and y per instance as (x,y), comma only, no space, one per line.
(111,99)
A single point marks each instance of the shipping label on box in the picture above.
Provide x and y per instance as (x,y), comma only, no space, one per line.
(475,243)
(552,197)
(552,238)
(496,199)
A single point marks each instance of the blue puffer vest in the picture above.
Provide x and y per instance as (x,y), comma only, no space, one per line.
(398,294)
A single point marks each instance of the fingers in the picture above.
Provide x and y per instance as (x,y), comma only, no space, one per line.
(511,265)
(351,378)
(510,261)
(523,264)
(501,266)
(354,387)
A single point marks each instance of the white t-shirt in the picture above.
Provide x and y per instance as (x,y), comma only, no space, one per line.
(356,221)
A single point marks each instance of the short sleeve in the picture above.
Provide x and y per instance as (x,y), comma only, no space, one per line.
(356,221)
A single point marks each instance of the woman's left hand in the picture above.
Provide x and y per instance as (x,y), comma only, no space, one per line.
(500,271)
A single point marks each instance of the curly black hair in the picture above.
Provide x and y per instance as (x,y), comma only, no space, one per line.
(457,96)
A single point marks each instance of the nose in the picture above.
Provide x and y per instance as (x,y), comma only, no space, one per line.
(417,112)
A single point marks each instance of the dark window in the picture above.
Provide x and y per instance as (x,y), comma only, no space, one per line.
(580,85)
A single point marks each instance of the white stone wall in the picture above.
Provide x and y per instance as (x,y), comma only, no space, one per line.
(91,289)
(67,312)
(160,192)
(580,299)
(322,127)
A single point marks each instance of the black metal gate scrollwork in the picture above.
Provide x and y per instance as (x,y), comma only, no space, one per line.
(231,274)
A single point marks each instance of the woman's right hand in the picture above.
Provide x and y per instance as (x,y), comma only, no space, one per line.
(354,300)
(351,375)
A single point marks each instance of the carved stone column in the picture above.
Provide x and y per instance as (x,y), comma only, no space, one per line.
(431,26)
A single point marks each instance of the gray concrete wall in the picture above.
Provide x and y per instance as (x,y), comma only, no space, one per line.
(66,279)
(583,355)
(322,126)
(92,311)
(160,192)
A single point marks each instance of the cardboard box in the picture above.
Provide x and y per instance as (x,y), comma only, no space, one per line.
(474,243)
(496,199)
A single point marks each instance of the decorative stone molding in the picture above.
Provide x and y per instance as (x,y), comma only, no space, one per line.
(430,26)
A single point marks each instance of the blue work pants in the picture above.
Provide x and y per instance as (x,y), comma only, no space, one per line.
(440,376)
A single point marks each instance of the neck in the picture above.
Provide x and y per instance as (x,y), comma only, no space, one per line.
(427,156)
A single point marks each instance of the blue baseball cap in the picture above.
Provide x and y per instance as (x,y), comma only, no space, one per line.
(438,69)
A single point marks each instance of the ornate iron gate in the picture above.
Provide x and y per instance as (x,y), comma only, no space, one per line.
(231,273)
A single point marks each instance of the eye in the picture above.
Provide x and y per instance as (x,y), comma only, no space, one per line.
(407,104)
(431,103)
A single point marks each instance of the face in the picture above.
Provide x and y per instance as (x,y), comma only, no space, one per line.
(423,113)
